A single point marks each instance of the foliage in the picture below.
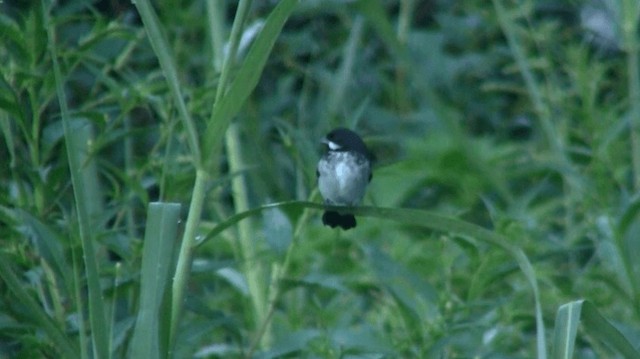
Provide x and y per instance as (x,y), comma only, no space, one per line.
(517,123)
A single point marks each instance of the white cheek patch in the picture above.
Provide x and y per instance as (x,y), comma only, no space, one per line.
(333,146)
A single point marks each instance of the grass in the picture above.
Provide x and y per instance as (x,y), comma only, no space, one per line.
(158,194)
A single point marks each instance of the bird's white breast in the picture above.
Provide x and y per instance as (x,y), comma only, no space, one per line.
(345,182)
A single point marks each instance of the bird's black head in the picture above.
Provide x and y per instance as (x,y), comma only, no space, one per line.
(342,139)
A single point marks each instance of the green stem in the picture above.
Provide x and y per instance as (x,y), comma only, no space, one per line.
(253,268)
(78,295)
(533,88)
(234,42)
(279,271)
(634,99)
(630,20)
(215,21)
(75,140)
(165,57)
(344,75)
(407,8)
(183,266)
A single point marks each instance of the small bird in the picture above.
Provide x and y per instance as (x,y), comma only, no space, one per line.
(343,174)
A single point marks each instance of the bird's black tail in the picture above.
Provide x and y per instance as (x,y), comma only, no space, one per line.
(334,219)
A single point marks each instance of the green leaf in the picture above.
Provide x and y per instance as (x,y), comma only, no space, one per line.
(160,46)
(247,76)
(378,18)
(361,339)
(50,247)
(35,311)
(292,342)
(564,336)
(78,136)
(567,319)
(428,220)
(413,293)
(151,330)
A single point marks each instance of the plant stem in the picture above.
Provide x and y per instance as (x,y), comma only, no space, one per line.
(183,266)
(532,85)
(631,11)
(278,272)
(253,268)
(167,63)
(76,142)
(234,42)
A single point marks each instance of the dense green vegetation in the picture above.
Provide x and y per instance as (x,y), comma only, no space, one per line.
(157,179)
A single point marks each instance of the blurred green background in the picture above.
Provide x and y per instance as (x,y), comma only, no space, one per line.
(522,117)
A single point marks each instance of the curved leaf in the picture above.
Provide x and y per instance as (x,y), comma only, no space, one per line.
(567,319)
(423,219)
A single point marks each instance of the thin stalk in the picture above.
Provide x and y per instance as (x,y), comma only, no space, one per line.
(234,42)
(77,292)
(404,25)
(216,14)
(345,73)
(404,20)
(246,79)
(253,267)
(183,266)
(634,98)
(129,168)
(165,57)
(533,88)
(631,11)
(630,20)
(54,292)
(73,141)
(634,95)
(114,320)
(215,20)
(278,273)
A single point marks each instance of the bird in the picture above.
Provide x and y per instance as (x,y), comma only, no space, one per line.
(343,174)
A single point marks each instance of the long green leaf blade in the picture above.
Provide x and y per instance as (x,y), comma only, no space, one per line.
(247,76)
(567,319)
(76,139)
(157,263)
(165,57)
(564,336)
(602,329)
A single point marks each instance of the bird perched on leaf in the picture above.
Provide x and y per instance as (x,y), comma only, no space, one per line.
(343,172)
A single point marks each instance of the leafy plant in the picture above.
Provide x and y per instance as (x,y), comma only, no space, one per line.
(158,189)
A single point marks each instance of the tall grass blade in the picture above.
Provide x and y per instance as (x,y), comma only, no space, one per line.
(165,57)
(564,335)
(567,320)
(150,337)
(247,76)
(77,139)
